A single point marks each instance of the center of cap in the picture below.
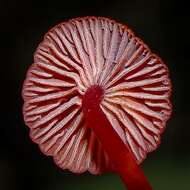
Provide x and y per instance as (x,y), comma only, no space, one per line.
(93,97)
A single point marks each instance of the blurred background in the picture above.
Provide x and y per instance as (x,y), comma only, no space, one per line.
(163,25)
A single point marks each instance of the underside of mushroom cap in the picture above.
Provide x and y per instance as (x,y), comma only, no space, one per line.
(86,52)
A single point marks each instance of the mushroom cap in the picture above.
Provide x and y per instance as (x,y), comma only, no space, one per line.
(76,55)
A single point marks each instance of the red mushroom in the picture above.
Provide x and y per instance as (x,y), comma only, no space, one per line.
(97,99)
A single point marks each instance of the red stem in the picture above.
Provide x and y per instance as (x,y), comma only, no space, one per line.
(120,155)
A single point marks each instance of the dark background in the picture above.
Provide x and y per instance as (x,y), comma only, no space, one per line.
(162,24)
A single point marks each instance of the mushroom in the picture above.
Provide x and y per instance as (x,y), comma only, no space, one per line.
(97,99)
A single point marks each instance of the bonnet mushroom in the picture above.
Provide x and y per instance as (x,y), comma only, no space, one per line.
(97,99)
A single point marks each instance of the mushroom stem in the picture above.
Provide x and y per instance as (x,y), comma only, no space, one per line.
(118,152)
